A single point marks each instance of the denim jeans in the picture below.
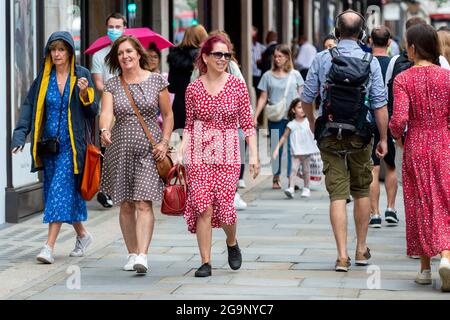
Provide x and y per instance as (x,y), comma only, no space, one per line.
(276,131)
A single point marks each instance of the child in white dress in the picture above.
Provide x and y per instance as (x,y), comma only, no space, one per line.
(303,146)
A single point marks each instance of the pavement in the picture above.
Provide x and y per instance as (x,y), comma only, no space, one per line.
(288,253)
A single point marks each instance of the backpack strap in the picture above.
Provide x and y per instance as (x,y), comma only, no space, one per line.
(334,52)
(368,57)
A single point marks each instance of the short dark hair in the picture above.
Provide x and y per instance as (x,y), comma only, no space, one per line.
(59,42)
(381,36)
(329,37)
(349,28)
(117,15)
(414,21)
(152,47)
(112,59)
(425,40)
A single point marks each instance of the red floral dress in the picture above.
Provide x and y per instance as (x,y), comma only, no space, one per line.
(422,103)
(213,157)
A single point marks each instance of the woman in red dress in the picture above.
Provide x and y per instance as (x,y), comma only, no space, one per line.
(215,104)
(422,105)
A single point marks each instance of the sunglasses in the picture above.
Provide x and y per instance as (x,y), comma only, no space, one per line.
(219,55)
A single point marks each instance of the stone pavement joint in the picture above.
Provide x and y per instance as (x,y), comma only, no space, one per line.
(287,245)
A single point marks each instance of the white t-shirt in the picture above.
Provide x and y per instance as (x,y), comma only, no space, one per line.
(99,65)
(301,138)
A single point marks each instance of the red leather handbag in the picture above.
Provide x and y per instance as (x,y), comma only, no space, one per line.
(175,192)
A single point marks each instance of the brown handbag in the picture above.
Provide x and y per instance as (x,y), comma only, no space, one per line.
(90,183)
(163,166)
(174,195)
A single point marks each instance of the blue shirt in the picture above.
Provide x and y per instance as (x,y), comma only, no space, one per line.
(377,94)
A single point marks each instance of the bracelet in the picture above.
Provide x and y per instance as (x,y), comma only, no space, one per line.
(103,130)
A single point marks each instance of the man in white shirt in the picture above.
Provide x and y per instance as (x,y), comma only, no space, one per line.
(305,56)
(116,24)
(257,51)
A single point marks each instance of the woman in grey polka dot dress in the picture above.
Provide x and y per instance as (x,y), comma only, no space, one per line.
(129,174)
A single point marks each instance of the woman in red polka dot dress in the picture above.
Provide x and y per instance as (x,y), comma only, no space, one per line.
(422,103)
(215,104)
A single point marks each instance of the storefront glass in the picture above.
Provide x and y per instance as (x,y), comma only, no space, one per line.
(64,15)
(23,71)
(185,15)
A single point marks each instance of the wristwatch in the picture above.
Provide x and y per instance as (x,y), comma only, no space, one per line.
(103,130)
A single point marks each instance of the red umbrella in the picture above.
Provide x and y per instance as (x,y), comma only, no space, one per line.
(144,35)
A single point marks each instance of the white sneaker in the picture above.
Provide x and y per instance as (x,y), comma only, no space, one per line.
(130,262)
(81,245)
(424,277)
(289,192)
(241,184)
(444,273)
(141,264)
(239,204)
(46,255)
(306,193)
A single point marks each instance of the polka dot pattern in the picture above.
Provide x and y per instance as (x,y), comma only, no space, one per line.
(129,171)
(213,158)
(422,104)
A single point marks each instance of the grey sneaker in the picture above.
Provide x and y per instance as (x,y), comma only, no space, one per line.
(46,255)
(81,245)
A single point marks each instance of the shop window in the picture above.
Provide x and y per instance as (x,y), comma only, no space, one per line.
(185,15)
(64,15)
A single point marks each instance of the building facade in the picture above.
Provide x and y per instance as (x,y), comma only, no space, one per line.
(28,24)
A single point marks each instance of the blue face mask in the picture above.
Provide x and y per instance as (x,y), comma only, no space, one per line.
(114,34)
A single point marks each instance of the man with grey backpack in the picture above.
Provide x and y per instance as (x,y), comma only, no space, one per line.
(350,82)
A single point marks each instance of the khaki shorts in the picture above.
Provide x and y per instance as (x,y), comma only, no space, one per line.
(350,174)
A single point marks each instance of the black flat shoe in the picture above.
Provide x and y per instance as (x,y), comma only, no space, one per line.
(234,257)
(203,271)
(104,200)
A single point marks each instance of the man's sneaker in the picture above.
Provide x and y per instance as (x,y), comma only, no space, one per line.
(203,271)
(375,221)
(289,192)
(141,264)
(46,255)
(306,193)
(81,245)
(234,257)
(239,204)
(241,184)
(105,200)
(444,273)
(362,259)
(424,277)
(342,265)
(390,215)
(130,262)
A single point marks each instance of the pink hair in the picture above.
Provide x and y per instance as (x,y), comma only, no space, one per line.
(207,48)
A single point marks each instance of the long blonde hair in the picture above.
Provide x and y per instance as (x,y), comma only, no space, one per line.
(285,50)
(194,37)
(444,38)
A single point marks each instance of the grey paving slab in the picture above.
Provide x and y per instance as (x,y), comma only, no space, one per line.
(288,252)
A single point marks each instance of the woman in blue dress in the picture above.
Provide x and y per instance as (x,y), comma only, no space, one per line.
(58,105)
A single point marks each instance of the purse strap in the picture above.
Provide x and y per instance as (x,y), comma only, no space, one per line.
(136,111)
(286,91)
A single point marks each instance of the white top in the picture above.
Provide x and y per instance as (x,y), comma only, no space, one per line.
(306,56)
(301,138)
(99,65)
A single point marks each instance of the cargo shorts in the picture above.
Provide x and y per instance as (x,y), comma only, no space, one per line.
(349,174)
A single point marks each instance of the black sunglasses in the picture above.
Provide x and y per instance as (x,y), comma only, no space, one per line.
(219,55)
